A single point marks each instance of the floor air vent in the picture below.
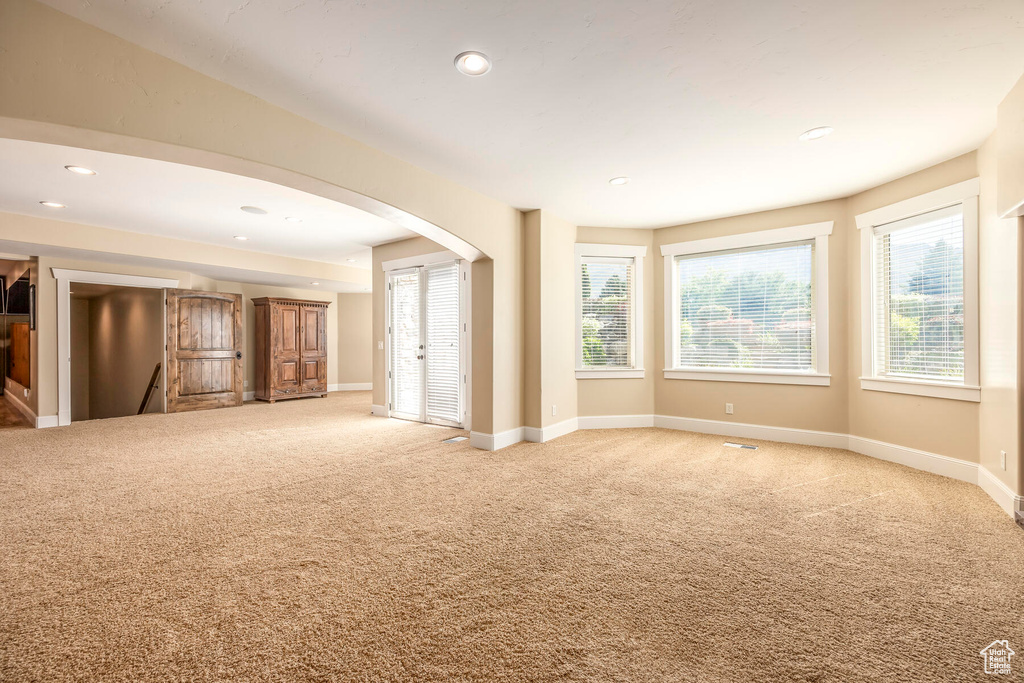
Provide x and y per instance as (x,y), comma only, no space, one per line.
(730,444)
(455,439)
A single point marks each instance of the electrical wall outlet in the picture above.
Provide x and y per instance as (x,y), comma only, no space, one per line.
(1002,459)
(246,384)
(380,346)
(728,409)
(554,409)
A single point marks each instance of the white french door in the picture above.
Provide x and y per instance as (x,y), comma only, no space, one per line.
(426,344)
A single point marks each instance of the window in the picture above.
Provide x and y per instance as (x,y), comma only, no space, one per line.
(749,308)
(609,301)
(920,295)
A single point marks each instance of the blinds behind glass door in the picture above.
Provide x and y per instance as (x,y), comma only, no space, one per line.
(607,325)
(749,309)
(919,296)
(443,336)
(406,368)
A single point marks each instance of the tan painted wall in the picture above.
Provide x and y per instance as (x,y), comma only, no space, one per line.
(549,394)
(126,341)
(355,338)
(79,359)
(624,396)
(999,264)
(1010,153)
(250,292)
(934,425)
(533,375)
(799,407)
(96,90)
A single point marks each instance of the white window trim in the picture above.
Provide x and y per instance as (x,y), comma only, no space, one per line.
(819,232)
(637,253)
(965,193)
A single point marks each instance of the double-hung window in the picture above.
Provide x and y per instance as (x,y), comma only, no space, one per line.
(750,307)
(920,299)
(609,308)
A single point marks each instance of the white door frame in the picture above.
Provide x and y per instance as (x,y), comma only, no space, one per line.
(64,279)
(466,312)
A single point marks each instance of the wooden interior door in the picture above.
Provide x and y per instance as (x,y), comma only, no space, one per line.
(314,349)
(204,350)
(285,328)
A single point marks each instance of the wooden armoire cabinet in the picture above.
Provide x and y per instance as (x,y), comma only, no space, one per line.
(291,348)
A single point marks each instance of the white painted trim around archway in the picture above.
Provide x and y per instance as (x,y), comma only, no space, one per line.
(64,279)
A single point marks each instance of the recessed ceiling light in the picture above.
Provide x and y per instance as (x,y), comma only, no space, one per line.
(53,205)
(293,219)
(351,260)
(81,170)
(314,283)
(815,133)
(473,63)
(241,238)
(254,210)
(621,180)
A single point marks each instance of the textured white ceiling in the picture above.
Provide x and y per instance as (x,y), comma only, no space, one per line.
(185,202)
(699,102)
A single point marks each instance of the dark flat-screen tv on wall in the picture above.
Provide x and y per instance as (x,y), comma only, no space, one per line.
(18,300)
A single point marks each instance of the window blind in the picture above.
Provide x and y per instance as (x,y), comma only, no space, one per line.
(919,297)
(443,323)
(747,309)
(606,285)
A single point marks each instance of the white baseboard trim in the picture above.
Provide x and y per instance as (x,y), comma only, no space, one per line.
(953,468)
(47,421)
(542,434)
(379,411)
(805,437)
(999,492)
(248,396)
(495,442)
(615,421)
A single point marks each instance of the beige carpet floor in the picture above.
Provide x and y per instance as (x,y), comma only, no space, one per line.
(308,541)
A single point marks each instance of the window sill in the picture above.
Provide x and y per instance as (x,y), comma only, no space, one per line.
(956,392)
(752,376)
(610,373)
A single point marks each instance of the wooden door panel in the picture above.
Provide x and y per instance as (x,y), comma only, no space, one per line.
(312,332)
(204,348)
(288,327)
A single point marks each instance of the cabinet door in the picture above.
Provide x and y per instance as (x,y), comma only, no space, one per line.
(286,377)
(314,349)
